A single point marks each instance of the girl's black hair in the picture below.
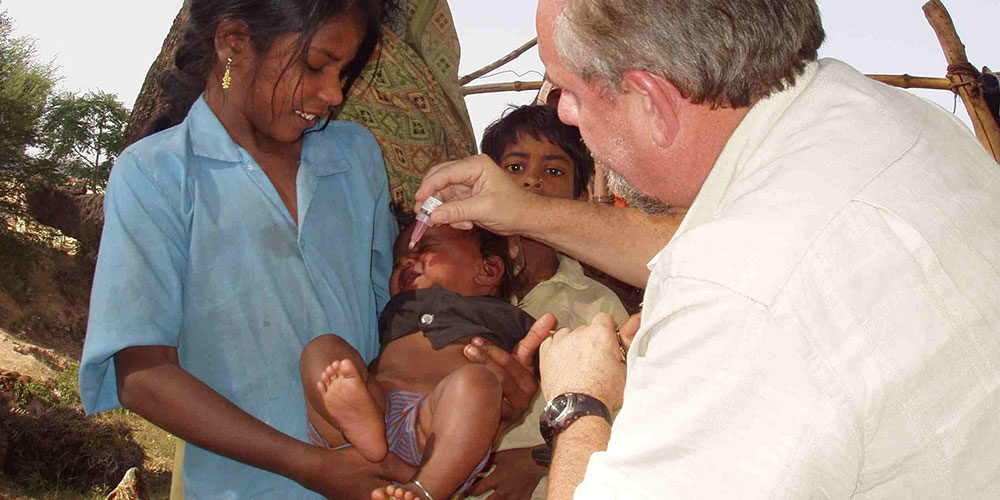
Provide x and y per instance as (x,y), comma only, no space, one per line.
(266,21)
(540,122)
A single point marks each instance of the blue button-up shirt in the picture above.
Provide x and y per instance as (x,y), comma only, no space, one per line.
(199,252)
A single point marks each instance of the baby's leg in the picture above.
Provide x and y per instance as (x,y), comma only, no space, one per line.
(457,425)
(341,395)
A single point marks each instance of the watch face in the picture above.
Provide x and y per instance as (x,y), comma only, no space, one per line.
(564,409)
(559,405)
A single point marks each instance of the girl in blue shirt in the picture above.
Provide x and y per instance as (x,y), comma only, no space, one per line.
(235,238)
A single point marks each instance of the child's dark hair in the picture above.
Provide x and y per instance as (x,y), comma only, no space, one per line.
(540,122)
(266,20)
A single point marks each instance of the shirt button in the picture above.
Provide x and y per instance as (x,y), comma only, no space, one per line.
(427,319)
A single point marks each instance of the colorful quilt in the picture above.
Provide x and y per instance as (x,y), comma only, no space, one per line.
(410,99)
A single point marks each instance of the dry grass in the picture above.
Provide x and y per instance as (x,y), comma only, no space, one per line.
(60,453)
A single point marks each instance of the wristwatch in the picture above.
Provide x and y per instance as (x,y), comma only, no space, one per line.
(566,408)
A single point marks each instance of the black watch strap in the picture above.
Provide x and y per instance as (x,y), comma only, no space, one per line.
(564,409)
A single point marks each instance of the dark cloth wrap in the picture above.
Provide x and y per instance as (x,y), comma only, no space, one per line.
(452,317)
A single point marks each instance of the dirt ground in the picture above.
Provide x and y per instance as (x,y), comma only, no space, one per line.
(41,334)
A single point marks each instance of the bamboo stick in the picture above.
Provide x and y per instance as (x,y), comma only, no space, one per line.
(963,77)
(501,87)
(499,62)
(913,82)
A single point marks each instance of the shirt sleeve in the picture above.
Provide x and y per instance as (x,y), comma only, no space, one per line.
(136,297)
(722,403)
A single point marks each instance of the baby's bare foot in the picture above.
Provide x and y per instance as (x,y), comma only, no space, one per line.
(392,491)
(354,412)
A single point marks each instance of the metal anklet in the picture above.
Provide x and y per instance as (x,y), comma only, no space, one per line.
(423,490)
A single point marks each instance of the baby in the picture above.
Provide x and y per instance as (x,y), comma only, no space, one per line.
(422,400)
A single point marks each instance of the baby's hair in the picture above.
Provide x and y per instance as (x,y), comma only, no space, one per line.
(540,122)
(404,215)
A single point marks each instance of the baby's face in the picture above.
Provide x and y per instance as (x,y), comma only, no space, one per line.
(444,257)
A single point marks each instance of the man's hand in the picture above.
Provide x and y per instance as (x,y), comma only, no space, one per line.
(476,191)
(515,368)
(584,360)
(515,477)
(629,328)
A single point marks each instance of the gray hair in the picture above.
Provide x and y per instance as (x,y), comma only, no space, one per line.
(728,53)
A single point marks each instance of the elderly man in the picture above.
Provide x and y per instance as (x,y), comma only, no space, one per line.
(826,320)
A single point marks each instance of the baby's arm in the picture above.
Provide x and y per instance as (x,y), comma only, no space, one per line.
(340,396)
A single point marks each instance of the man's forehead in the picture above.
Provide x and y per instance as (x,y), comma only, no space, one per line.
(548,11)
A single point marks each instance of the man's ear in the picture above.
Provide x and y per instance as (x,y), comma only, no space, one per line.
(490,272)
(660,101)
(232,39)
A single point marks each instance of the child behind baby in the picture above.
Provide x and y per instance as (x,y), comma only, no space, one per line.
(422,394)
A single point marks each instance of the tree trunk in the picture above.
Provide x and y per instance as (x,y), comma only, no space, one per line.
(81,216)
(152,101)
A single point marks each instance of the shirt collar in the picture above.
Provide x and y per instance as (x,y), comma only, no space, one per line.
(210,139)
(570,272)
(744,141)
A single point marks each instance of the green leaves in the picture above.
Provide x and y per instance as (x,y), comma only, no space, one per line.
(59,140)
(82,135)
(24,87)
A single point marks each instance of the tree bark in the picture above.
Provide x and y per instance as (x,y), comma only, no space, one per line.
(79,216)
(152,101)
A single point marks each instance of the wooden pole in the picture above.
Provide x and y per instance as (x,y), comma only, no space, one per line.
(501,87)
(913,82)
(963,77)
(499,62)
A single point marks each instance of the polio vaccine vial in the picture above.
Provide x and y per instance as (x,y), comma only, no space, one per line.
(423,219)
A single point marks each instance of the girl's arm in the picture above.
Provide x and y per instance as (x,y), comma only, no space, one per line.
(152,384)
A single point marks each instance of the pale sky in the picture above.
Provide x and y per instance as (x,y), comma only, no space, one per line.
(110,44)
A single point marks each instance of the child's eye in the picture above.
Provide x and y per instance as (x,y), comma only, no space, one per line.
(554,172)
(515,168)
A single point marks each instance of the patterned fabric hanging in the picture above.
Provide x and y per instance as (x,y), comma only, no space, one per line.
(410,99)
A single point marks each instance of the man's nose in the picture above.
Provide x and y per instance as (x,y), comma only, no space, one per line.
(568,109)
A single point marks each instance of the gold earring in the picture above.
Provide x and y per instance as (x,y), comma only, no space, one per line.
(227,77)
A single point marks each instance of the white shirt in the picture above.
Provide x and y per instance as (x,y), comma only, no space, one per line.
(826,322)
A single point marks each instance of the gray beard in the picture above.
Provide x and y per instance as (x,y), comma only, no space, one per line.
(632,196)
